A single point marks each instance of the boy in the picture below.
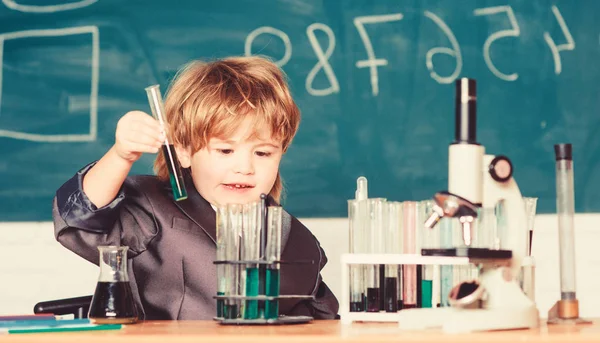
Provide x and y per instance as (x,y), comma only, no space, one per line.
(230,122)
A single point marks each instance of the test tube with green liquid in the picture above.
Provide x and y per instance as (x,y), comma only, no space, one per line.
(427,240)
(273,253)
(175,176)
(232,307)
(251,252)
(221,229)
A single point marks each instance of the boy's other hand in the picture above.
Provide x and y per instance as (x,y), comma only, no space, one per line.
(137,133)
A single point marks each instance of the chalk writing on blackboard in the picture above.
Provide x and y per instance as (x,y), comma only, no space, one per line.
(373,62)
(90,133)
(323,63)
(556,49)
(14,5)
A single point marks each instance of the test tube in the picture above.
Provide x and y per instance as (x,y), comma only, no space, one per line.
(175,176)
(409,275)
(250,252)
(232,307)
(221,229)
(262,272)
(501,225)
(377,219)
(356,216)
(273,253)
(446,271)
(530,208)
(485,231)
(426,241)
(565,206)
(527,278)
(393,245)
(460,273)
(358,236)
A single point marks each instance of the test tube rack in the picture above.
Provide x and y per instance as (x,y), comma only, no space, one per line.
(262,298)
(347,317)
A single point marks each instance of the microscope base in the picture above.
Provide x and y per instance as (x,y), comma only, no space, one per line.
(454,320)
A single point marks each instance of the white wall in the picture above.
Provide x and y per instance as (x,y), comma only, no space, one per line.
(34,267)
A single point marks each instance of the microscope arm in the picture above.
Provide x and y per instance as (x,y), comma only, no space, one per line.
(515,237)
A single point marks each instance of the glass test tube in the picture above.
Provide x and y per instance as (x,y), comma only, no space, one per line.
(356,217)
(393,245)
(376,223)
(175,176)
(250,252)
(485,231)
(527,278)
(565,206)
(446,271)
(501,225)
(222,229)
(460,273)
(273,253)
(427,240)
(530,209)
(232,307)
(262,272)
(409,271)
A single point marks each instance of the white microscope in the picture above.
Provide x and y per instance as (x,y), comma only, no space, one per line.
(495,301)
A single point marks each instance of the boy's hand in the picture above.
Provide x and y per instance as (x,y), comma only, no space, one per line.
(137,133)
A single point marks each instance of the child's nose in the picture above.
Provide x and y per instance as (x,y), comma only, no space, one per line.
(244,165)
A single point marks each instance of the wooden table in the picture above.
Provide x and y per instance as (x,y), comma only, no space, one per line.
(317,331)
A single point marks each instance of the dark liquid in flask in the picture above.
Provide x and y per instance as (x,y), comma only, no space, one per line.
(373,300)
(358,306)
(113,303)
(175,175)
(391,294)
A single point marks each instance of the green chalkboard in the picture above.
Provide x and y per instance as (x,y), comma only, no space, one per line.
(374,81)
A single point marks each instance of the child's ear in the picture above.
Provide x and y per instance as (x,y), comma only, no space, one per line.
(184,155)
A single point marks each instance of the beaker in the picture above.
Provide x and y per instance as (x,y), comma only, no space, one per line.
(113,302)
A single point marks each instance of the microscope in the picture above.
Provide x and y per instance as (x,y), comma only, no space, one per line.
(495,300)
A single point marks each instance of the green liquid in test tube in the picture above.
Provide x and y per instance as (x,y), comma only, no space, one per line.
(273,253)
(250,252)
(251,309)
(221,228)
(429,240)
(426,291)
(175,176)
(233,308)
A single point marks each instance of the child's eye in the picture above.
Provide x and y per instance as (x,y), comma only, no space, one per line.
(263,153)
(225,151)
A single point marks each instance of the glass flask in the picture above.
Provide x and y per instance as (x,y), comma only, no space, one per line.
(113,300)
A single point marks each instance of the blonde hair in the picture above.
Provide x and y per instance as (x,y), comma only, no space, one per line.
(208,100)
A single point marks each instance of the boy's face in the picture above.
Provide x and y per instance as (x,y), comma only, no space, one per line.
(235,169)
